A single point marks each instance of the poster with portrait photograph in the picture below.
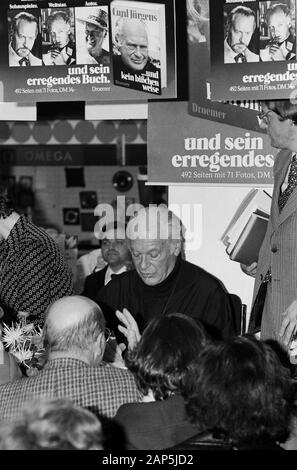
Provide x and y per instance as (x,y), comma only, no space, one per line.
(139,45)
(61,50)
(253,49)
(237,113)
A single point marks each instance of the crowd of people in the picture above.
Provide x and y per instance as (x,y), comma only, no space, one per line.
(150,352)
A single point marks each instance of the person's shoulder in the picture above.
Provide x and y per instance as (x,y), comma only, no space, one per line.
(280,160)
(264,54)
(197,274)
(128,412)
(35,60)
(251,56)
(97,274)
(112,374)
(47,58)
(122,279)
(104,58)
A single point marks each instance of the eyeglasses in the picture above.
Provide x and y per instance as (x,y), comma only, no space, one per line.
(135,47)
(108,334)
(262,117)
(108,243)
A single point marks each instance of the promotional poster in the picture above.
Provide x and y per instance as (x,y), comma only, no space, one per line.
(237,113)
(204,152)
(253,49)
(64,51)
(139,66)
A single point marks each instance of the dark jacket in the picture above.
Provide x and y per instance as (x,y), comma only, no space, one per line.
(93,283)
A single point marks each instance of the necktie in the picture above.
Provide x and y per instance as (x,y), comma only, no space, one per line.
(240,58)
(292,183)
(24,61)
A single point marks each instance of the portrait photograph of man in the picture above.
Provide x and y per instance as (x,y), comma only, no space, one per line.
(278,31)
(131,47)
(91,26)
(241,42)
(58,39)
(24,39)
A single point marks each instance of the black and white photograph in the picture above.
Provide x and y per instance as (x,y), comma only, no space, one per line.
(277,31)
(58,36)
(92,35)
(241,38)
(148,233)
(24,28)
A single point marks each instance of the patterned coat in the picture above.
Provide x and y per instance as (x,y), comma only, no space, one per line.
(101,389)
(279,251)
(33,272)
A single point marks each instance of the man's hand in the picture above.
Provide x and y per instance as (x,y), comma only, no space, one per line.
(57,57)
(276,53)
(118,360)
(249,270)
(289,323)
(130,328)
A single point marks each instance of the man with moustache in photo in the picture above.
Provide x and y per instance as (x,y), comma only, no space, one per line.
(24,30)
(241,24)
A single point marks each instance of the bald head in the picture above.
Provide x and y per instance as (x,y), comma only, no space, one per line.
(73,323)
(69,311)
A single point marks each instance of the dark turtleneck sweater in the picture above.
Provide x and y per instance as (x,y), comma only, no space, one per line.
(188,289)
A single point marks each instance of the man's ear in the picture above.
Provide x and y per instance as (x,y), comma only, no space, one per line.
(175,248)
(100,344)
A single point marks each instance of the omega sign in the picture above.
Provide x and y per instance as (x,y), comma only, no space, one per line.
(41,155)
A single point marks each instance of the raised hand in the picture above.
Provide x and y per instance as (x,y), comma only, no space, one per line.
(129,327)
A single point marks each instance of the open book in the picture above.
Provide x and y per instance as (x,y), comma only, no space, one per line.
(245,233)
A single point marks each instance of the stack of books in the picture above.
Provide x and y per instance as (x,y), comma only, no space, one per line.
(245,233)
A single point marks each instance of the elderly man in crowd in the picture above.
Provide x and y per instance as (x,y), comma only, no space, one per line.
(131,40)
(33,271)
(162,282)
(96,30)
(76,340)
(115,253)
(241,24)
(282,42)
(24,30)
(62,50)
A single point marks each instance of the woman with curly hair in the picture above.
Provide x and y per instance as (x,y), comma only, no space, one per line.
(241,396)
(161,363)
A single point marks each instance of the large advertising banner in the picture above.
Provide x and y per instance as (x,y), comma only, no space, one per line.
(104,50)
(237,113)
(204,152)
(253,49)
